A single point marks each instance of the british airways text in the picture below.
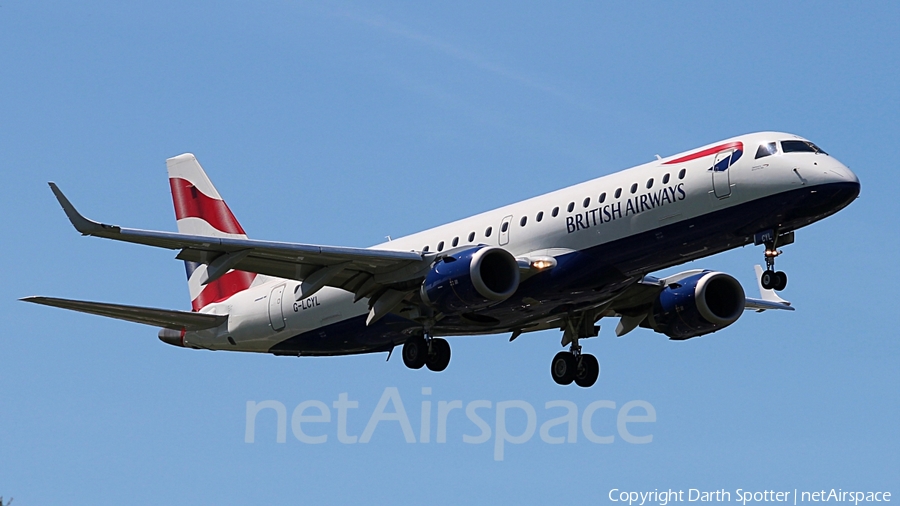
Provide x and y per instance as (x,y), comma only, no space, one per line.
(633,205)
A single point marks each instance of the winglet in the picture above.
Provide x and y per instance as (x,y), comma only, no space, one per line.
(81,224)
(768,298)
(764,294)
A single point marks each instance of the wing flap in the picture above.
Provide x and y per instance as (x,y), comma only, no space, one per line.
(166,318)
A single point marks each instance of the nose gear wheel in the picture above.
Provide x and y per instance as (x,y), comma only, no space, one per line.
(770,278)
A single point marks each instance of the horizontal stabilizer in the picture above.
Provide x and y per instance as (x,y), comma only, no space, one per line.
(166,318)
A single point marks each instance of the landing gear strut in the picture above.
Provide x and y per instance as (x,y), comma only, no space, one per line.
(770,278)
(572,365)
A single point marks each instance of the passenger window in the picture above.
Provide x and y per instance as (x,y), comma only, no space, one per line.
(618,192)
(455,241)
(666,179)
(441,246)
(603,197)
(523,221)
(504,227)
(555,212)
(681,173)
(586,202)
(471,236)
(571,207)
(487,233)
(650,183)
(634,188)
(540,216)
(766,150)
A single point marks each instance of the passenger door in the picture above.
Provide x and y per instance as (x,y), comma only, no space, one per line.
(721,176)
(276,315)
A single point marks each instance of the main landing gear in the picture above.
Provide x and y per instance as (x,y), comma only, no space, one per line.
(425,350)
(572,365)
(569,366)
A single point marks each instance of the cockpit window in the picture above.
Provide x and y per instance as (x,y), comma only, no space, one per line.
(766,149)
(800,147)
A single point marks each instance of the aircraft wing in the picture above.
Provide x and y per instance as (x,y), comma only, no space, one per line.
(760,305)
(641,294)
(358,270)
(166,318)
(634,302)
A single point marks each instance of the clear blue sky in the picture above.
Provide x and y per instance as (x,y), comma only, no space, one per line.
(340,123)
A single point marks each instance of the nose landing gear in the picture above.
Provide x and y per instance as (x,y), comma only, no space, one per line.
(770,278)
(773,280)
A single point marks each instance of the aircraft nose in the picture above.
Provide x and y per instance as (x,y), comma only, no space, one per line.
(853,177)
(844,183)
(840,173)
(854,183)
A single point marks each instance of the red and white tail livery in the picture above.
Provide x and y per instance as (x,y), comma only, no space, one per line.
(200,210)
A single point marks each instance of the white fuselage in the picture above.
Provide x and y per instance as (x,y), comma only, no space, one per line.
(635,201)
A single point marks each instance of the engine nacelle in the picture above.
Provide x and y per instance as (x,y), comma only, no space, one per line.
(697,305)
(471,279)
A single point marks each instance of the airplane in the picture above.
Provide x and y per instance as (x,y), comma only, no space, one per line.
(563,260)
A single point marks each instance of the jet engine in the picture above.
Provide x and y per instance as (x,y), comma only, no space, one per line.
(471,279)
(697,305)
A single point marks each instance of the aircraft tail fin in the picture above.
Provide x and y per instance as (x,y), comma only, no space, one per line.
(200,210)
